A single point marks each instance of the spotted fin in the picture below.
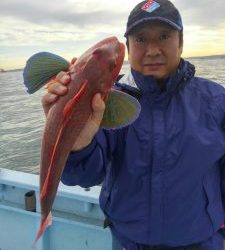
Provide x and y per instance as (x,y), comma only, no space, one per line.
(121,110)
(40,68)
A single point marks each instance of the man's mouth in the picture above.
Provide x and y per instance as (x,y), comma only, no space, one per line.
(153,66)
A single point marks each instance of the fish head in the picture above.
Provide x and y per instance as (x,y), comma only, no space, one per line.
(102,63)
(110,56)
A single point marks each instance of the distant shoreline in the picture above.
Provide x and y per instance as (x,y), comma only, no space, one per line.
(9,70)
(206,57)
(126,62)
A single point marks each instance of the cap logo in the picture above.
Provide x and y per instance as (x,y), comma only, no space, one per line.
(150,6)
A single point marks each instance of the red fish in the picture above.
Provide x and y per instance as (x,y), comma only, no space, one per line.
(94,72)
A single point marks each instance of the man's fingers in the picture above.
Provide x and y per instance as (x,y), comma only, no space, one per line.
(63,77)
(73,60)
(57,88)
(48,98)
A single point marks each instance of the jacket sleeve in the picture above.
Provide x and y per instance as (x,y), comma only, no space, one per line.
(87,167)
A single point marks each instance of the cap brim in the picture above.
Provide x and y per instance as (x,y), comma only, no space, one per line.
(179,28)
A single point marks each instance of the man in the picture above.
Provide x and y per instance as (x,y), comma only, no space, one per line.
(162,175)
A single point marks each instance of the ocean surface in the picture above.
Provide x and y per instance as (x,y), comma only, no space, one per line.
(22,118)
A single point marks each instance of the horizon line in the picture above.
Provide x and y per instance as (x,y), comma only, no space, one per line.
(2,70)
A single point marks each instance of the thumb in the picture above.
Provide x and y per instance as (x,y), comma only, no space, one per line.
(98,106)
(73,60)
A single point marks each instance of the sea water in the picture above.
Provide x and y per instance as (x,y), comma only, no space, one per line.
(22,118)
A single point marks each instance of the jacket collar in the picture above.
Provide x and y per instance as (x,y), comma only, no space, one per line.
(147,84)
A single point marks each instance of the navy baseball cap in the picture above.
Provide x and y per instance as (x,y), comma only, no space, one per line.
(162,10)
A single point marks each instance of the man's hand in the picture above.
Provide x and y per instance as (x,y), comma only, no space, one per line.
(57,88)
(92,125)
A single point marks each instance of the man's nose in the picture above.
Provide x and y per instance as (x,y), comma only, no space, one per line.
(153,49)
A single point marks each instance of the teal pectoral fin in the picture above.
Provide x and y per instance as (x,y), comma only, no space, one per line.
(121,110)
(40,68)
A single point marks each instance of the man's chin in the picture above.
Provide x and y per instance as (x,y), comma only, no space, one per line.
(155,75)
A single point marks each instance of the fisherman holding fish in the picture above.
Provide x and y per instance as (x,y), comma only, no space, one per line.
(162,175)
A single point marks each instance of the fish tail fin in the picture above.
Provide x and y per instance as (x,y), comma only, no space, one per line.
(44,224)
(40,68)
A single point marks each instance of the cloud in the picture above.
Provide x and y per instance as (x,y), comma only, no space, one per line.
(89,13)
(32,23)
(206,14)
(28,26)
(76,13)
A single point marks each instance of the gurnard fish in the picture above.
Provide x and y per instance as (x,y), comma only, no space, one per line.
(95,71)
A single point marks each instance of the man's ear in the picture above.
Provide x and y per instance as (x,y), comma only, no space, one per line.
(181,48)
(127,44)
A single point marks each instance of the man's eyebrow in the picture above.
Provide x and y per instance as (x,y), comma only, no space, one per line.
(138,33)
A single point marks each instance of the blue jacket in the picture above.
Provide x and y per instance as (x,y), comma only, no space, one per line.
(162,175)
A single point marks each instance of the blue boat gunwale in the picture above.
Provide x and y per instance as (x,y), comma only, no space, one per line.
(31,181)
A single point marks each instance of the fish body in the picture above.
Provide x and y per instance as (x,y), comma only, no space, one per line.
(94,72)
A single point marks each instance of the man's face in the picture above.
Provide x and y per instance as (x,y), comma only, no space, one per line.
(154,49)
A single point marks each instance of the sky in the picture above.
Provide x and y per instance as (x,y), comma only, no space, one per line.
(69,27)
